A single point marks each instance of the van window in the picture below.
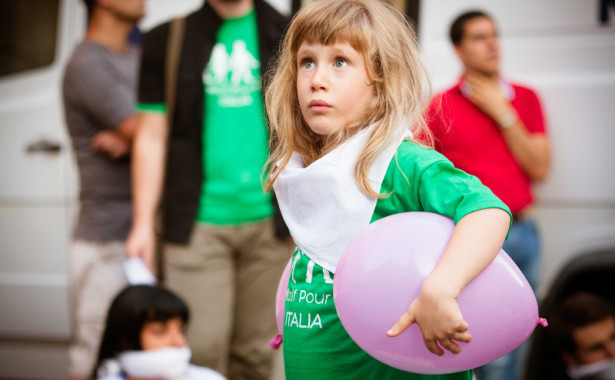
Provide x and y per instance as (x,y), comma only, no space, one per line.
(28,31)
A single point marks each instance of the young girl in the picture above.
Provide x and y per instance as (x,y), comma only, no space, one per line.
(348,86)
(144,338)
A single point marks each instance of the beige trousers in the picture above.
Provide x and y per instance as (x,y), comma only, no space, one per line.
(96,276)
(229,276)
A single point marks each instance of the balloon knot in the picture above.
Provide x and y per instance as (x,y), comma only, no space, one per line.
(543,322)
(276,342)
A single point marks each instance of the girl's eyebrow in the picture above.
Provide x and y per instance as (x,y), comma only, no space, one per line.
(345,49)
(304,50)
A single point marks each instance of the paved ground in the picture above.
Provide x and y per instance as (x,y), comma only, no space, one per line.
(32,361)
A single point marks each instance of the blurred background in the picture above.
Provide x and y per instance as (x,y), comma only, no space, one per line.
(565,49)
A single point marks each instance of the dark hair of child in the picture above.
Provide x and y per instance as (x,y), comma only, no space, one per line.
(130,310)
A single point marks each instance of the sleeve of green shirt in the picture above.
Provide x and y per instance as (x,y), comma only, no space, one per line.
(446,190)
(421,179)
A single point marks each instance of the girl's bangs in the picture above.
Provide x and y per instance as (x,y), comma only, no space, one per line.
(165,307)
(332,27)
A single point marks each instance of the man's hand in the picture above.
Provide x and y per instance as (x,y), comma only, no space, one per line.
(141,242)
(111,143)
(531,150)
(487,95)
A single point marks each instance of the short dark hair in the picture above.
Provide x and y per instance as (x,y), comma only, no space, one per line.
(130,310)
(457,27)
(575,311)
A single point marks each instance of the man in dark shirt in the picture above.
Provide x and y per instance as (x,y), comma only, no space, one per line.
(220,251)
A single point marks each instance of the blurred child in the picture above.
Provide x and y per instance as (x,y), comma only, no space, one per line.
(144,338)
(583,332)
(348,87)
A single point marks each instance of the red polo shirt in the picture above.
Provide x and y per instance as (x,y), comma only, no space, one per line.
(474,143)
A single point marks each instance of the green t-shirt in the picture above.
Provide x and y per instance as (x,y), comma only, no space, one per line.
(235,136)
(316,345)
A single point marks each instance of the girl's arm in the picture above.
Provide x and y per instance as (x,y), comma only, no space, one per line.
(476,241)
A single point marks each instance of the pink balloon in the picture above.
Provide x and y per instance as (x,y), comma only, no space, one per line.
(280,297)
(381,273)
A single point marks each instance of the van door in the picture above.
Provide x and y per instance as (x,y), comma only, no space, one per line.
(37,186)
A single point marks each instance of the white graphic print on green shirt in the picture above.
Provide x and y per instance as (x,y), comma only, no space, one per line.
(235,136)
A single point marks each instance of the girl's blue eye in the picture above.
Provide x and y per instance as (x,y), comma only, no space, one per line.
(339,63)
(308,63)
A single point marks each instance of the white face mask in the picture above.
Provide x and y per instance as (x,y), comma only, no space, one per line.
(604,370)
(166,363)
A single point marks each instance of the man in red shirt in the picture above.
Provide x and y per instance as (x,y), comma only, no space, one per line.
(494,130)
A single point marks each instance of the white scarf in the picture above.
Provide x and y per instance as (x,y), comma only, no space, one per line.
(596,371)
(322,204)
(169,363)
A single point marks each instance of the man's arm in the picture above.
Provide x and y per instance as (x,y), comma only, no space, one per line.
(148,158)
(149,145)
(107,100)
(116,143)
(531,150)
(128,128)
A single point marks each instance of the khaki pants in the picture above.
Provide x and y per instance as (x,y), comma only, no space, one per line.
(229,276)
(96,276)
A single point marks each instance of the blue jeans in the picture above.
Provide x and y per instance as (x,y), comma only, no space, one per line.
(523,246)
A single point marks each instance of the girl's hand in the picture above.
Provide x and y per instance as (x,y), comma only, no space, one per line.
(439,318)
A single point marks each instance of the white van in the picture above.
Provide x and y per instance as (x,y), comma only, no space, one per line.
(37,186)
(38,180)
(558,47)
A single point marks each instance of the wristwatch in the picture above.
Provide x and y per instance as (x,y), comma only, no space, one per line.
(507,120)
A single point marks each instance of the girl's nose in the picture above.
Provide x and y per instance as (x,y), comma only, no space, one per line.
(320,80)
(179,339)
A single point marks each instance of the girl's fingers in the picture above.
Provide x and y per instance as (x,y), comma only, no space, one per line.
(463,327)
(405,321)
(433,347)
(448,343)
(451,346)
(461,337)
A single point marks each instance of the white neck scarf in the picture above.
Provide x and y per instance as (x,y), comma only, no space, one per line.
(603,370)
(322,204)
(168,363)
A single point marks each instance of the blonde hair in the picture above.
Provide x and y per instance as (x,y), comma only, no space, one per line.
(387,42)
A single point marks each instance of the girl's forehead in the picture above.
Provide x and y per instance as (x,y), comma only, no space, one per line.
(338,45)
(167,321)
